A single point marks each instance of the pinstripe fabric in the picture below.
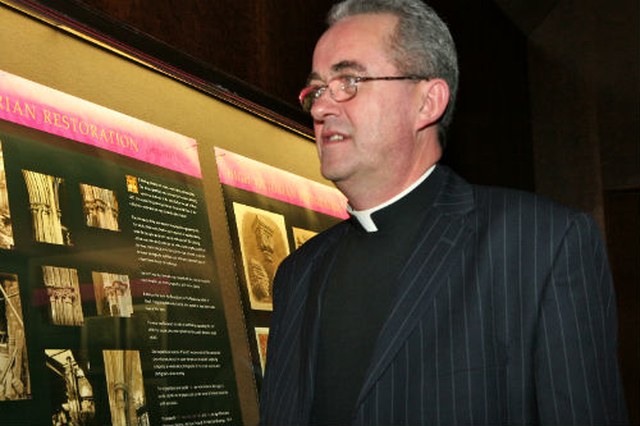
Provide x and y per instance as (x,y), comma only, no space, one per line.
(505,314)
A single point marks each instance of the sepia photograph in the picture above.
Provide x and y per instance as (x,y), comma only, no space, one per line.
(63,290)
(14,365)
(125,386)
(100,207)
(45,200)
(300,236)
(113,294)
(132,184)
(263,243)
(262,336)
(6,230)
(72,397)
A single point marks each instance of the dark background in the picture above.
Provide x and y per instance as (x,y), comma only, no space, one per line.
(548,97)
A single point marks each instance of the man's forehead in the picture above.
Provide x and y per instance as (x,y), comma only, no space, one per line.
(339,68)
(353,44)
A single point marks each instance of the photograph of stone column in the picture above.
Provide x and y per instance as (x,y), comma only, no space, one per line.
(126,388)
(6,230)
(72,396)
(14,365)
(113,294)
(100,207)
(263,243)
(300,236)
(45,205)
(64,295)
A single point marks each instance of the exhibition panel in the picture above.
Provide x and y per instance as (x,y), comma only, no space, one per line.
(120,301)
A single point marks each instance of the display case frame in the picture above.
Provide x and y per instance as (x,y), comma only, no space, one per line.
(101,30)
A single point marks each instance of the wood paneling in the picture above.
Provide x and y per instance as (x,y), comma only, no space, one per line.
(622,210)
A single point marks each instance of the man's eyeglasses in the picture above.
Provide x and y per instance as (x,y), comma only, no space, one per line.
(342,88)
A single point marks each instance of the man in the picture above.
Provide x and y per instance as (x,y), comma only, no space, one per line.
(438,302)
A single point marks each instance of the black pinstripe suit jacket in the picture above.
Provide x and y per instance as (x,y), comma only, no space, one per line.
(505,314)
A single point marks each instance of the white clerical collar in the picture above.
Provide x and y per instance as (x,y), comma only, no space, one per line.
(364,216)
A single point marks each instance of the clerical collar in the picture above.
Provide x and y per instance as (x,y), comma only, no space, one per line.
(364,216)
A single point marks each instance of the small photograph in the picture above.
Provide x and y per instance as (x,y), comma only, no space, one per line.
(15,382)
(263,243)
(72,398)
(300,236)
(63,291)
(6,230)
(262,336)
(113,294)
(132,184)
(100,207)
(126,388)
(46,193)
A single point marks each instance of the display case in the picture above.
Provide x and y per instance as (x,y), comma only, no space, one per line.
(128,291)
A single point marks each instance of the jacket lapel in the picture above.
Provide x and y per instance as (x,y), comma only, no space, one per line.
(442,236)
(309,331)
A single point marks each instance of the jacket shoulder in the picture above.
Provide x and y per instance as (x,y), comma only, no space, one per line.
(514,201)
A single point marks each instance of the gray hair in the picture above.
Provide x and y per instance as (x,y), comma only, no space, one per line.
(420,45)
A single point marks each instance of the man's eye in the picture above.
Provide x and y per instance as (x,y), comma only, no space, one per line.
(349,80)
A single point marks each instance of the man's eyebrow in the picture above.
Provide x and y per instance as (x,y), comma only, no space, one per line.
(348,65)
(339,67)
(313,76)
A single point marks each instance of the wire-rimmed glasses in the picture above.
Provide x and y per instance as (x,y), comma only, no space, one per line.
(342,88)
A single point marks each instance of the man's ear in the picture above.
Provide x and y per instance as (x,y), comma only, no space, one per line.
(434,97)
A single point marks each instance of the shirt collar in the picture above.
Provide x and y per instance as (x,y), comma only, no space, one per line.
(364,216)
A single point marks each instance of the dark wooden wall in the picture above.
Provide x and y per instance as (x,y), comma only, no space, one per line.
(550,106)
(266,44)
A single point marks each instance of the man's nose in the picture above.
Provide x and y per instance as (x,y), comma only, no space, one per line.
(323,106)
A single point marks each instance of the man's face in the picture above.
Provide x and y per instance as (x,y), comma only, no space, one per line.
(366,141)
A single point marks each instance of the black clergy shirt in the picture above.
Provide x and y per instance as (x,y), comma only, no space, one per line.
(357,297)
